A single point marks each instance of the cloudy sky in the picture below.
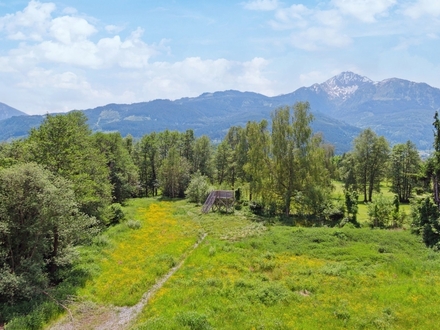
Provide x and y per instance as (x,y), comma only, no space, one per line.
(78,54)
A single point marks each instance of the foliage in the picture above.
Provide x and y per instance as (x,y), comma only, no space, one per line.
(384,212)
(39,226)
(202,156)
(351,203)
(123,173)
(63,144)
(174,175)
(370,154)
(426,222)
(404,169)
(116,213)
(198,188)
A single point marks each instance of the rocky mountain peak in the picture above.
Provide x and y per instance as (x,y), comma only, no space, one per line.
(344,85)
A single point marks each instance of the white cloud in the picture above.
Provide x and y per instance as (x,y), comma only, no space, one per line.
(70,11)
(405,43)
(329,18)
(364,10)
(423,7)
(264,5)
(68,29)
(31,23)
(312,29)
(61,60)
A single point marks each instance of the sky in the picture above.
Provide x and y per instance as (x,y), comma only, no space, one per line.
(56,56)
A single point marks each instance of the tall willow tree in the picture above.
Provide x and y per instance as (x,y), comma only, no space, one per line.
(202,156)
(435,172)
(174,174)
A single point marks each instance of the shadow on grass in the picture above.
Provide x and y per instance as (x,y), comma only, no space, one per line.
(45,304)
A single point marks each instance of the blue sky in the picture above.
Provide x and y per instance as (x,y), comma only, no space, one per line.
(77,54)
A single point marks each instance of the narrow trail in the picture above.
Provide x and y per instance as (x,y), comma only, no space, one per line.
(119,318)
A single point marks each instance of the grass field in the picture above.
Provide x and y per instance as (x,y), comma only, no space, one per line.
(250,273)
(299,278)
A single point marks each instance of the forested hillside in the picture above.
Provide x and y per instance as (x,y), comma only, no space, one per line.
(342,106)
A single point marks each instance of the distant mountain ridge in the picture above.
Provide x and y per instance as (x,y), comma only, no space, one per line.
(7,112)
(396,108)
(400,110)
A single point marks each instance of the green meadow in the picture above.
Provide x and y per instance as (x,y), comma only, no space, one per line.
(249,276)
(250,273)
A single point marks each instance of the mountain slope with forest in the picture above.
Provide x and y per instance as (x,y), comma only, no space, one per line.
(343,105)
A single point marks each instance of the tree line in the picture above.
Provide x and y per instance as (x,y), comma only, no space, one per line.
(63,184)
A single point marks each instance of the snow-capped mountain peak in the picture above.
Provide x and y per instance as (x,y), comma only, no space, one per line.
(344,85)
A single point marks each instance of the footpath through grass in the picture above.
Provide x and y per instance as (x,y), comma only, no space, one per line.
(245,277)
(135,254)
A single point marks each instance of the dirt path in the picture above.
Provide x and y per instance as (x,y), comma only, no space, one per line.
(91,316)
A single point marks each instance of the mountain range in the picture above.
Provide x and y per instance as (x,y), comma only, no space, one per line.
(400,110)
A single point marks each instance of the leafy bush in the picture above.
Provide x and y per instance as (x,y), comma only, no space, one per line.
(198,188)
(116,214)
(193,320)
(384,213)
(134,224)
(351,200)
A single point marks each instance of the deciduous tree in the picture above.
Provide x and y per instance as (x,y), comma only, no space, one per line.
(39,225)
(63,144)
(404,168)
(370,156)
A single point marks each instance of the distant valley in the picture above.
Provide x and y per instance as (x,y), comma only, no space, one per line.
(343,105)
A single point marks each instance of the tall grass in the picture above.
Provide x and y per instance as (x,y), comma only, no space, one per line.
(302,278)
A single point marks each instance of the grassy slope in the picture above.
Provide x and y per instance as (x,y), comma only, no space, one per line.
(295,278)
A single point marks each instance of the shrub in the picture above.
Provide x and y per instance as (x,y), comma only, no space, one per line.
(134,224)
(198,188)
(116,214)
(193,320)
(383,213)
